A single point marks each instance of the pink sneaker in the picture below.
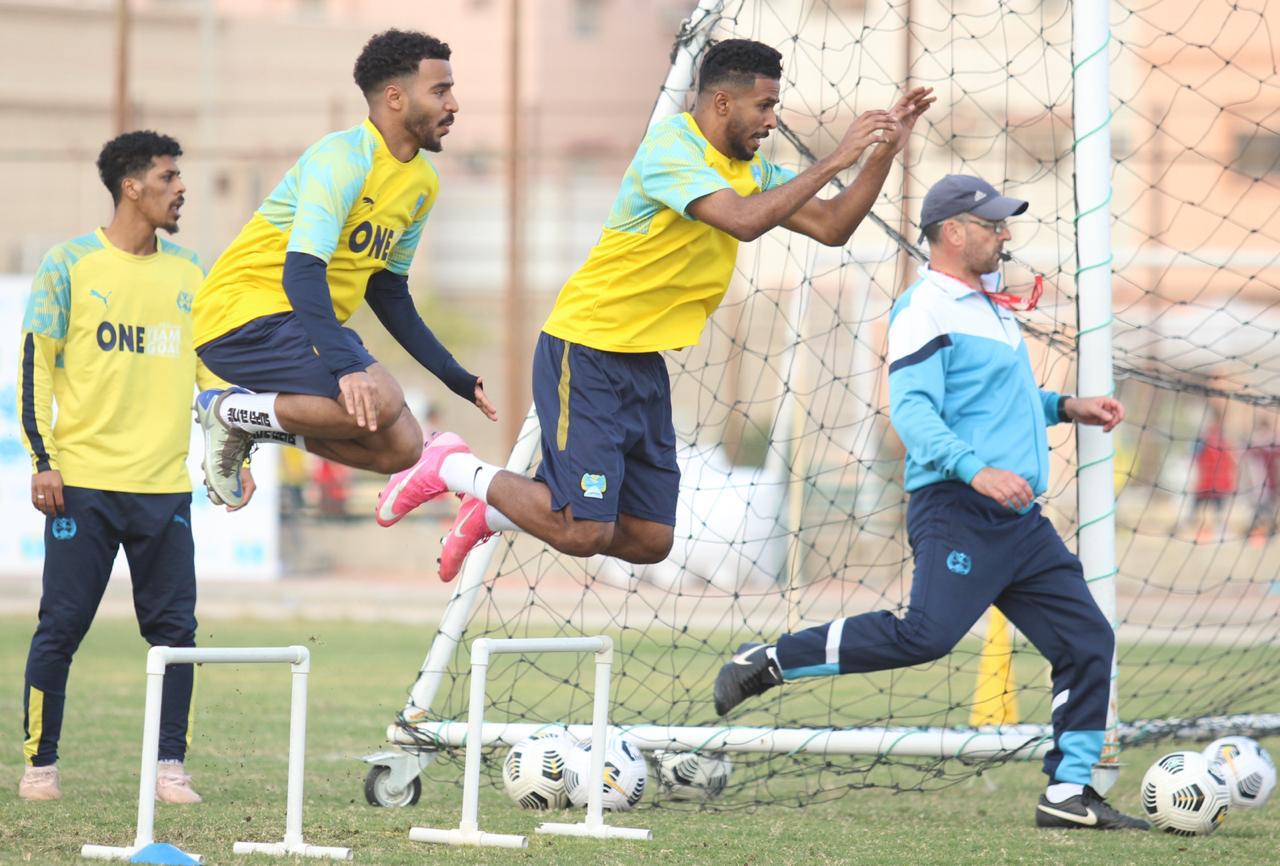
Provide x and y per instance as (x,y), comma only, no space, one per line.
(469,531)
(421,482)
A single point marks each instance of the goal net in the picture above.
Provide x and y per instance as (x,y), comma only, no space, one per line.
(792,507)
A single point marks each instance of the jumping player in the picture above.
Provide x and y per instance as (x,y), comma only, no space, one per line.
(341,228)
(697,186)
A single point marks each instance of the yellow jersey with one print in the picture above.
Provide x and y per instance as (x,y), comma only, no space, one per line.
(107,337)
(657,274)
(347,201)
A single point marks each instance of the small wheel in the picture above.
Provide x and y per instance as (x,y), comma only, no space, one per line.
(377,789)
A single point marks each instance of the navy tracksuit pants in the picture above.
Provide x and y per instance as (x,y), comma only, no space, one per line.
(80,546)
(970,552)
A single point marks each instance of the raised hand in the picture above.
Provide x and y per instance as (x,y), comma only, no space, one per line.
(869,128)
(904,116)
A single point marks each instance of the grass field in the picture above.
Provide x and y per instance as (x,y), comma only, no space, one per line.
(357,685)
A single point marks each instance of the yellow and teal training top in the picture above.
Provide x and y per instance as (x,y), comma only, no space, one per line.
(347,201)
(107,336)
(657,274)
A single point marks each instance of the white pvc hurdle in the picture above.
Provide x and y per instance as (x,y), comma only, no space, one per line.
(158,658)
(468,830)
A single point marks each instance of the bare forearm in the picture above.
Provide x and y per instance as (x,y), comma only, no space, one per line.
(848,209)
(754,215)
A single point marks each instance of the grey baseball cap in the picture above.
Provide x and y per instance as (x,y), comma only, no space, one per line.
(961,193)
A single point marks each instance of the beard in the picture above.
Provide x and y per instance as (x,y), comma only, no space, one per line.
(426,131)
(984,264)
(740,141)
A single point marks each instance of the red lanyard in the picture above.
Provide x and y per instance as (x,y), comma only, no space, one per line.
(1008,300)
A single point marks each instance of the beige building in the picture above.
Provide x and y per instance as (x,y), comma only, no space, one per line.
(246,86)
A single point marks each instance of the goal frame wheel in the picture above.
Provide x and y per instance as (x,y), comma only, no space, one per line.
(377,789)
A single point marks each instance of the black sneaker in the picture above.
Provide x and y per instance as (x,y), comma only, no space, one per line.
(750,672)
(1087,810)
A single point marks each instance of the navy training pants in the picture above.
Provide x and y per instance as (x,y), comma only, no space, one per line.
(971,552)
(80,546)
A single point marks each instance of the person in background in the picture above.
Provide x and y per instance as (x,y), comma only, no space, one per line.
(107,336)
(1264,452)
(1215,467)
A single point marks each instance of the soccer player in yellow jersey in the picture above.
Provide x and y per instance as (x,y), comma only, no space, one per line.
(697,186)
(339,229)
(107,337)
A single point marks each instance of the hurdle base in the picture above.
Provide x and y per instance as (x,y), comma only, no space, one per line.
(157,853)
(459,836)
(595,831)
(292,849)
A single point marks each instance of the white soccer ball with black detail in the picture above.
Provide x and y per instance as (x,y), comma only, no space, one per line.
(1183,794)
(691,775)
(1248,769)
(625,772)
(534,770)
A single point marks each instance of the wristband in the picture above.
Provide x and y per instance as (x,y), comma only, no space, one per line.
(1062,408)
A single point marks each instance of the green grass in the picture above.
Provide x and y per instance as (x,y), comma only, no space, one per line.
(357,685)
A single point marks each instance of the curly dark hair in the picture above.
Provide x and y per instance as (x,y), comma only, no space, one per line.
(130,154)
(738,62)
(394,53)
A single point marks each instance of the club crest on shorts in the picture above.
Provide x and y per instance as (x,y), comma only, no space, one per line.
(959,562)
(63,528)
(593,486)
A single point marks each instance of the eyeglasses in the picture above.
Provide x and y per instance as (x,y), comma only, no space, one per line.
(995,228)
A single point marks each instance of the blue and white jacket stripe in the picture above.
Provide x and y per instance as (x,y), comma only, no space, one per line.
(961,392)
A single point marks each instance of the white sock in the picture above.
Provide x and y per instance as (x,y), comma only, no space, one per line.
(1060,791)
(255,413)
(271,437)
(498,522)
(463,472)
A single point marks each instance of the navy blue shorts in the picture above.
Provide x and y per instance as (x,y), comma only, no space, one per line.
(273,353)
(608,445)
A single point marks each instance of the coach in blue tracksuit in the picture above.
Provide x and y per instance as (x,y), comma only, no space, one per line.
(966,405)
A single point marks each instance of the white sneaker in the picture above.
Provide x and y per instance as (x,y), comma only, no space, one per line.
(225,449)
(173,785)
(40,783)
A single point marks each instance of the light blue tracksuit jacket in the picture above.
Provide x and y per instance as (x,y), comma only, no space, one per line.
(961,392)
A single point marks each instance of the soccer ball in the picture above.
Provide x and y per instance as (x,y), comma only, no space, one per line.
(1184,795)
(1248,769)
(534,771)
(624,773)
(692,775)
